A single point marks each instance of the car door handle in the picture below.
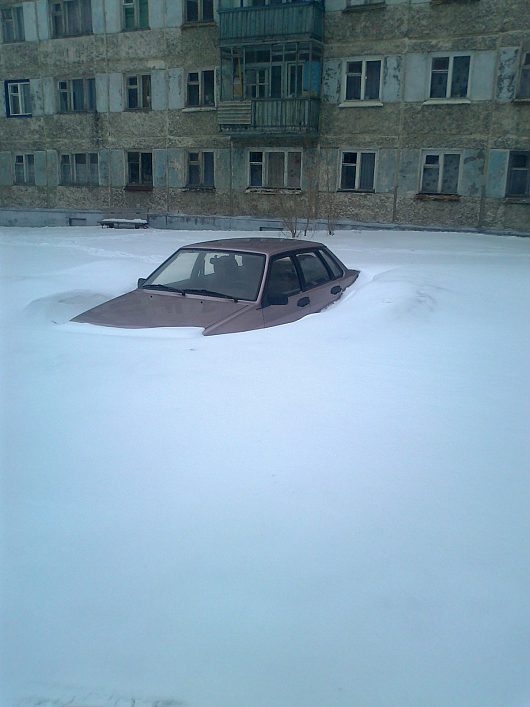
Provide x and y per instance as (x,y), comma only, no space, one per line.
(335,290)
(303,302)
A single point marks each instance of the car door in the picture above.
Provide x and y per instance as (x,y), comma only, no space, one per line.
(317,280)
(283,300)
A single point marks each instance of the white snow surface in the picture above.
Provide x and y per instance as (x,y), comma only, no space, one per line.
(330,513)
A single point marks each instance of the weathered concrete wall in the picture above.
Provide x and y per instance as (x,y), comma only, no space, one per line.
(398,127)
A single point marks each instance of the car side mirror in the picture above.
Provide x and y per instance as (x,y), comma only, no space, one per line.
(276,299)
(141,281)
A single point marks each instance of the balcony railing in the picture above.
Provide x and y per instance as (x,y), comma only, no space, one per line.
(269,115)
(304,20)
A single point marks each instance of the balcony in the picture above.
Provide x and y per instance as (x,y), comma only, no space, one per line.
(303,20)
(266,116)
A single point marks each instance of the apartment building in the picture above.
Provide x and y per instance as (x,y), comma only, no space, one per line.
(413,112)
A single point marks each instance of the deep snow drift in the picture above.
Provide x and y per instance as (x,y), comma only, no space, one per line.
(332,513)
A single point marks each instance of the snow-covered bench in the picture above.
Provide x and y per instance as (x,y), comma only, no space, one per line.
(124,223)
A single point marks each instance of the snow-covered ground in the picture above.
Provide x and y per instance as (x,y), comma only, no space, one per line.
(332,513)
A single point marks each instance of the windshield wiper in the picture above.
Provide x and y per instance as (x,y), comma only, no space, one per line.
(212,293)
(164,287)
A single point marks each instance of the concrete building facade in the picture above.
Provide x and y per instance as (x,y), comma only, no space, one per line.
(413,112)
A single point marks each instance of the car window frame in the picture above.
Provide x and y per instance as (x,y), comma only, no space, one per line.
(334,260)
(316,251)
(273,259)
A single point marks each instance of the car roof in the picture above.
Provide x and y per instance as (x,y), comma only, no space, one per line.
(266,246)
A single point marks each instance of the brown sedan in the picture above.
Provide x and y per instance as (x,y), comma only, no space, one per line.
(231,285)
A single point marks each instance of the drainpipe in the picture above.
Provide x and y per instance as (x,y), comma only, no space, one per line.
(230,188)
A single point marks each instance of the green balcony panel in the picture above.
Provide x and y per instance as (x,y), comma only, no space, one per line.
(303,20)
(269,116)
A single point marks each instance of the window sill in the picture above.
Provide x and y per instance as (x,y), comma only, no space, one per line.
(199,23)
(437,197)
(134,29)
(521,99)
(12,41)
(137,110)
(23,184)
(199,109)
(70,36)
(79,186)
(447,2)
(361,104)
(446,101)
(138,187)
(356,191)
(525,200)
(20,115)
(370,6)
(273,190)
(189,187)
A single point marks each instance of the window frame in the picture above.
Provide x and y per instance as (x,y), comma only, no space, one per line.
(200,82)
(441,164)
(17,22)
(89,95)
(265,167)
(524,71)
(84,13)
(514,195)
(358,170)
(28,170)
(142,184)
(364,61)
(145,93)
(200,12)
(137,15)
(448,98)
(23,95)
(75,180)
(201,185)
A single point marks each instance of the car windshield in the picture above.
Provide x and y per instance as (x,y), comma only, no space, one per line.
(211,272)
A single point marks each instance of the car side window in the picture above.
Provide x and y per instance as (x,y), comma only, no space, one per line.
(283,278)
(335,268)
(313,269)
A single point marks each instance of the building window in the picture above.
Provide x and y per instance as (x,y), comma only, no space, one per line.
(79,169)
(201,88)
(12,24)
(70,17)
(440,173)
(18,98)
(518,174)
(135,14)
(24,169)
(363,80)
(200,169)
(357,171)
(77,95)
(140,169)
(138,92)
(450,76)
(199,10)
(270,71)
(523,90)
(256,83)
(275,169)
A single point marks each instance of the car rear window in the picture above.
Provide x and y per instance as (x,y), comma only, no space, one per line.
(335,268)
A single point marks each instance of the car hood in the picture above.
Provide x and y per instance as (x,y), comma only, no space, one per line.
(144,308)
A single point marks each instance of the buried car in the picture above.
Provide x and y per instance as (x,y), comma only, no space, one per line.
(232,285)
